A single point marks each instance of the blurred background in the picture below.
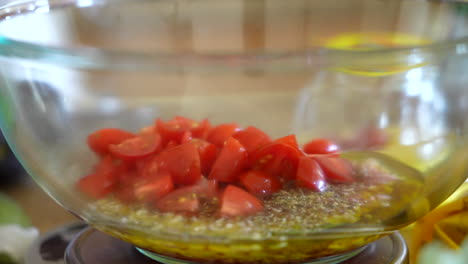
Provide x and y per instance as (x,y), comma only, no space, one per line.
(41,211)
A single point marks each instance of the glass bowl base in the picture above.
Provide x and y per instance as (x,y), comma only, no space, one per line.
(86,245)
(327,260)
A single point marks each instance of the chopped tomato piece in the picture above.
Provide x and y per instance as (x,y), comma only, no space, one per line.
(102,181)
(95,185)
(182,162)
(148,130)
(100,140)
(128,177)
(182,200)
(208,153)
(145,189)
(186,137)
(310,175)
(204,188)
(171,144)
(219,134)
(321,146)
(154,188)
(252,138)
(137,147)
(125,172)
(237,202)
(172,130)
(260,183)
(335,168)
(126,194)
(288,140)
(231,160)
(149,167)
(202,130)
(178,165)
(277,159)
(175,128)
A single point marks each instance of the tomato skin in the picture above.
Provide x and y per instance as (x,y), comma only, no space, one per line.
(321,146)
(170,130)
(154,188)
(182,162)
(171,144)
(208,154)
(148,130)
(204,188)
(136,147)
(100,140)
(101,181)
(335,168)
(145,189)
(310,175)
(237,202)
(202,130)
(277,159)
(231,160)
(288,140)
(126,173)
(174,130)
(252,138)
(221,133)
(260,183)
(95,186)
(150,167)
(186,137)
(126,195)
(182,200)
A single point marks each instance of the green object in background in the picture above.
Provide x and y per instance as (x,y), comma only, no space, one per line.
(462,8)
(11,213)
(16,233)
(5,259)
(6,113)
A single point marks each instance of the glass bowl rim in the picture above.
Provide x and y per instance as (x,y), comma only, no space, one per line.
(98,58)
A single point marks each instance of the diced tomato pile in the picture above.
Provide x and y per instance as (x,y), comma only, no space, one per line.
(179,165)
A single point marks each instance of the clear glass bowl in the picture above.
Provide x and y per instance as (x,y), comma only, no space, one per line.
(384,79)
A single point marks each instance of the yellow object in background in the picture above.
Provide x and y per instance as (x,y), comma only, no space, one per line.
(448,224)
(368,41)
(372,41)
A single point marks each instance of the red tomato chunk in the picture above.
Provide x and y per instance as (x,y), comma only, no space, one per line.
(181,165)
(230,162)
(219,134)
(137,147)
(100,140)
(236,201)
(260,183)
(310,174)
(321,146)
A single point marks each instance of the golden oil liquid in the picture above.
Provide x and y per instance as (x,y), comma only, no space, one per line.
(442,171)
